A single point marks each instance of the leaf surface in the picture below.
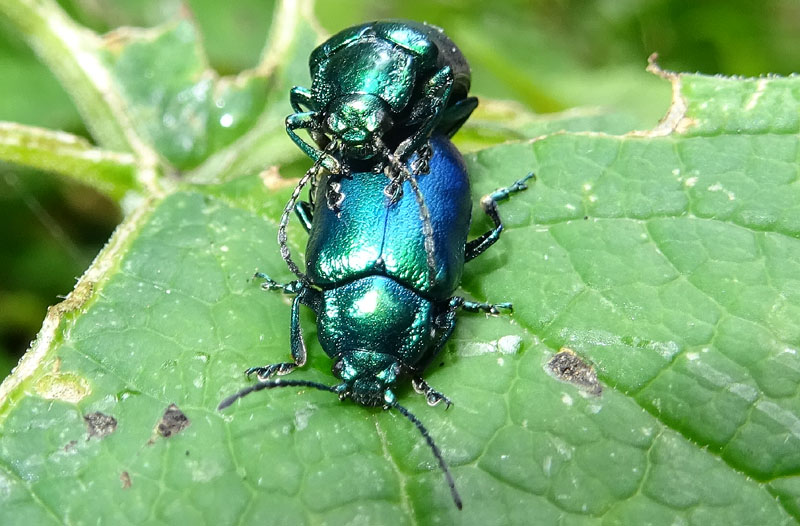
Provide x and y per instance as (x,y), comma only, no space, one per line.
(665,259)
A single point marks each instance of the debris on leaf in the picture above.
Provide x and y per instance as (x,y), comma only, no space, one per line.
(99,424)
(569,367)
(173,422)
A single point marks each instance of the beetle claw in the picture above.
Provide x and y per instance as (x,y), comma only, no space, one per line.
(421,164)
(393,190)
(433,398)
(264,373)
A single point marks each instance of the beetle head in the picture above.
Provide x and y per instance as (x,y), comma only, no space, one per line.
(367,377)
(357,120)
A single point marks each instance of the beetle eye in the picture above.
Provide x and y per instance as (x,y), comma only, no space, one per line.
(337,368)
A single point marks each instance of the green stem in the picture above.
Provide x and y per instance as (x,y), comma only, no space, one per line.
(112,173)
(73,54)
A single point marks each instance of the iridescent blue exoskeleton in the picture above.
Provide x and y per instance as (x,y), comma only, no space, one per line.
(380,316)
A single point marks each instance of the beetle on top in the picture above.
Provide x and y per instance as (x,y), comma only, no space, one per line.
(380,86)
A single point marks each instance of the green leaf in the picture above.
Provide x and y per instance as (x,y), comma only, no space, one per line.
(664,259)
(155,88)
(496,122)
(177,103)
(23,75)
(293,35)
(72,54)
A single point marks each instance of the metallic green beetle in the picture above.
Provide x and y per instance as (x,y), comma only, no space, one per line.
(378,317)
(378,86)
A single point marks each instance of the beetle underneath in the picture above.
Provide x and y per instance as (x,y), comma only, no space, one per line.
(379,316)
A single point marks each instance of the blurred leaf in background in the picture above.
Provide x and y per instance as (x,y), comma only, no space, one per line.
(546,56)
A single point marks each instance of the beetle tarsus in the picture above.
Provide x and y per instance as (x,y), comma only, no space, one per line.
(432,396)
(489,308)
(502,194)
(263,373)
(421,165)
(293,287)
(457,302)
(478,246)
(334,197)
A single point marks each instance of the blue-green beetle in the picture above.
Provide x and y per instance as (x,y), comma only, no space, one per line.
(378,316)
(378,86)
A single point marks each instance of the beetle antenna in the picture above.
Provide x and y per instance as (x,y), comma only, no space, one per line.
(424,213)
(436,453)
(271,385)
(332,389)
(311,174)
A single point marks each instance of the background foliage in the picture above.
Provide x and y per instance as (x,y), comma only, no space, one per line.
(589,54)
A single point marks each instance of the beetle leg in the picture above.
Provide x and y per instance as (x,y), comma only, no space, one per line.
(432,396)
(421,164)
(304,212)
(293,287)
(445,325)
(308,121)
(457,302)
(301,100)
(297,344)
(478,246)
(428,111)
(488,308)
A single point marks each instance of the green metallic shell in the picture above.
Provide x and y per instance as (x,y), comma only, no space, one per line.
(405,34)
(417,50)
(376,315)
(365,66)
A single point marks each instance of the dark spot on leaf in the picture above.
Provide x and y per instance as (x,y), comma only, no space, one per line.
(126,480)
(173,422)
(99,424)
(187,452)
(585,217)
(70,446)
(569,367)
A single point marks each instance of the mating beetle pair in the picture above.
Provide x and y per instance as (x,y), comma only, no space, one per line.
(381,271)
